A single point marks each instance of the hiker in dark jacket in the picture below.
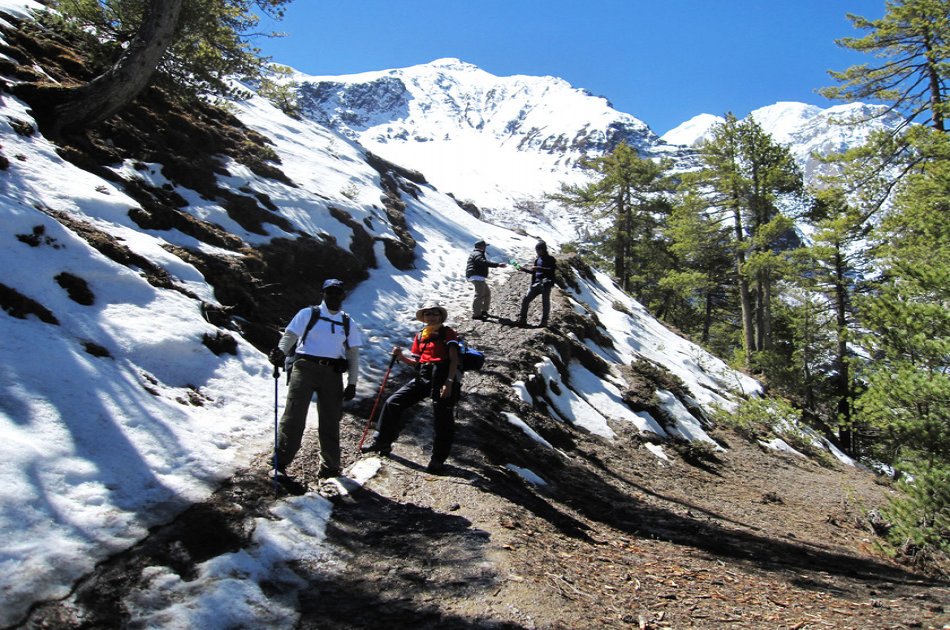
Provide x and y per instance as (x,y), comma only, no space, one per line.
(326,344)
(435,354)
(542,281)
(476,271)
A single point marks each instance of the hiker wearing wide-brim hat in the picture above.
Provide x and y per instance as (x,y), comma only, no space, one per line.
(435,355)
(324,343)
(542,281)
(421,313)
(476,272)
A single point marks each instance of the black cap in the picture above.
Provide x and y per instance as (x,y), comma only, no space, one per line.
(333,282)
(480,244)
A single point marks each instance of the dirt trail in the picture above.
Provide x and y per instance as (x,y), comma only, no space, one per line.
(616,538)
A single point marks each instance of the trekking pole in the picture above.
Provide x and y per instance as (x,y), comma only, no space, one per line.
(372,414)
(276,377)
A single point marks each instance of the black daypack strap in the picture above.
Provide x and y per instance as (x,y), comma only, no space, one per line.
(315,315)
(438,336)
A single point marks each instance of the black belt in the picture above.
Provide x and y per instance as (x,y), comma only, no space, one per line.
(319,360)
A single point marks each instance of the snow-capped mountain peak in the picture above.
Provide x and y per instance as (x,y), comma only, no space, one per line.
(502,143)
(692,131)
(497,141)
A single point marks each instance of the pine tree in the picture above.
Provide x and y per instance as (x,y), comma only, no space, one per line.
(831,271)
(629,190)
(913,40)
(744,175)
(197,46)
(908,381)
(702,273)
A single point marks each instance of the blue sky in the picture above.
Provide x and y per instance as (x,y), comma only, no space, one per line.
(664,62)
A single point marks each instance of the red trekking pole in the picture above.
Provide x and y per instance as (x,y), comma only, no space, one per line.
(372,414)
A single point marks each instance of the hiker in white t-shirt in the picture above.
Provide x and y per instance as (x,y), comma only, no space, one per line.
(324,343)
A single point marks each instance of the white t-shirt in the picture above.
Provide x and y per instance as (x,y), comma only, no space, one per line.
(326,338)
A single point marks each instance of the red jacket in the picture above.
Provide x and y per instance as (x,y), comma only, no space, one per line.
(435,349)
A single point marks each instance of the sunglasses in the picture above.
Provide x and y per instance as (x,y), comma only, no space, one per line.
(432,313)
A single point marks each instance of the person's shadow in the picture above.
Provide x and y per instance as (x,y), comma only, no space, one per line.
(505,321)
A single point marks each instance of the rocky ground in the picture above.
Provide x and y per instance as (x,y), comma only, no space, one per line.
(617,537)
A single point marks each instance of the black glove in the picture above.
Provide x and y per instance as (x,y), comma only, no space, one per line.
(350,392)
(276,357)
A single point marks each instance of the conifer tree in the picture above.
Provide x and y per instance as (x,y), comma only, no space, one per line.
(913,42)
(702,272)
(196,45)
(908,320)
(832,270)
(629,190)
(744,175)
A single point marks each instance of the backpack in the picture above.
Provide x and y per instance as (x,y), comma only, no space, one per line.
(313,320)
(470,359)
(314,310)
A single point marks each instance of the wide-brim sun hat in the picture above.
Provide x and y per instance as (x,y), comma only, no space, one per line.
(431,306)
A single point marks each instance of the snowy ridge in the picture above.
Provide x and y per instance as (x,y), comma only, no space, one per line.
(497,141)
(503,143)
(693,131)
(807,130)
(116,444)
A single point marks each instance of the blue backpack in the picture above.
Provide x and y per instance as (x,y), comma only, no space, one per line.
(471,359)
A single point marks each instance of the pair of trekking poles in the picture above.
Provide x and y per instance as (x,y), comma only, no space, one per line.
(369,422)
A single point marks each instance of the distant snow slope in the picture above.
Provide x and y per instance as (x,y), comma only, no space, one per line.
(503,143)
(693,130)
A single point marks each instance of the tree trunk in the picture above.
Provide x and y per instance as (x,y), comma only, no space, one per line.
(620,255)
(745,298)
(707,317)
(767,341)
(933,77)
(758,297)
(110,92)
(843,382)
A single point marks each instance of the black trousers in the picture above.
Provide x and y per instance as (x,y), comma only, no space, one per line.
(426,384)
(543,289)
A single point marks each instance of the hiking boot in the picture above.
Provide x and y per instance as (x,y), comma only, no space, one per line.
(484,315)
(377,447)
(326,472)
(435,466)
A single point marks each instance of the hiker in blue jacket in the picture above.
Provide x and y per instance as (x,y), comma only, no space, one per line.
(326,345)
(542,281)
(476,272)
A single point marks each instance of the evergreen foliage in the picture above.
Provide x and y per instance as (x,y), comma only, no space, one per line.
(744,179)
(212,42)
(702,277)
(830,272)
(920,519)
(907,394)
(630,192)
(913,42)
